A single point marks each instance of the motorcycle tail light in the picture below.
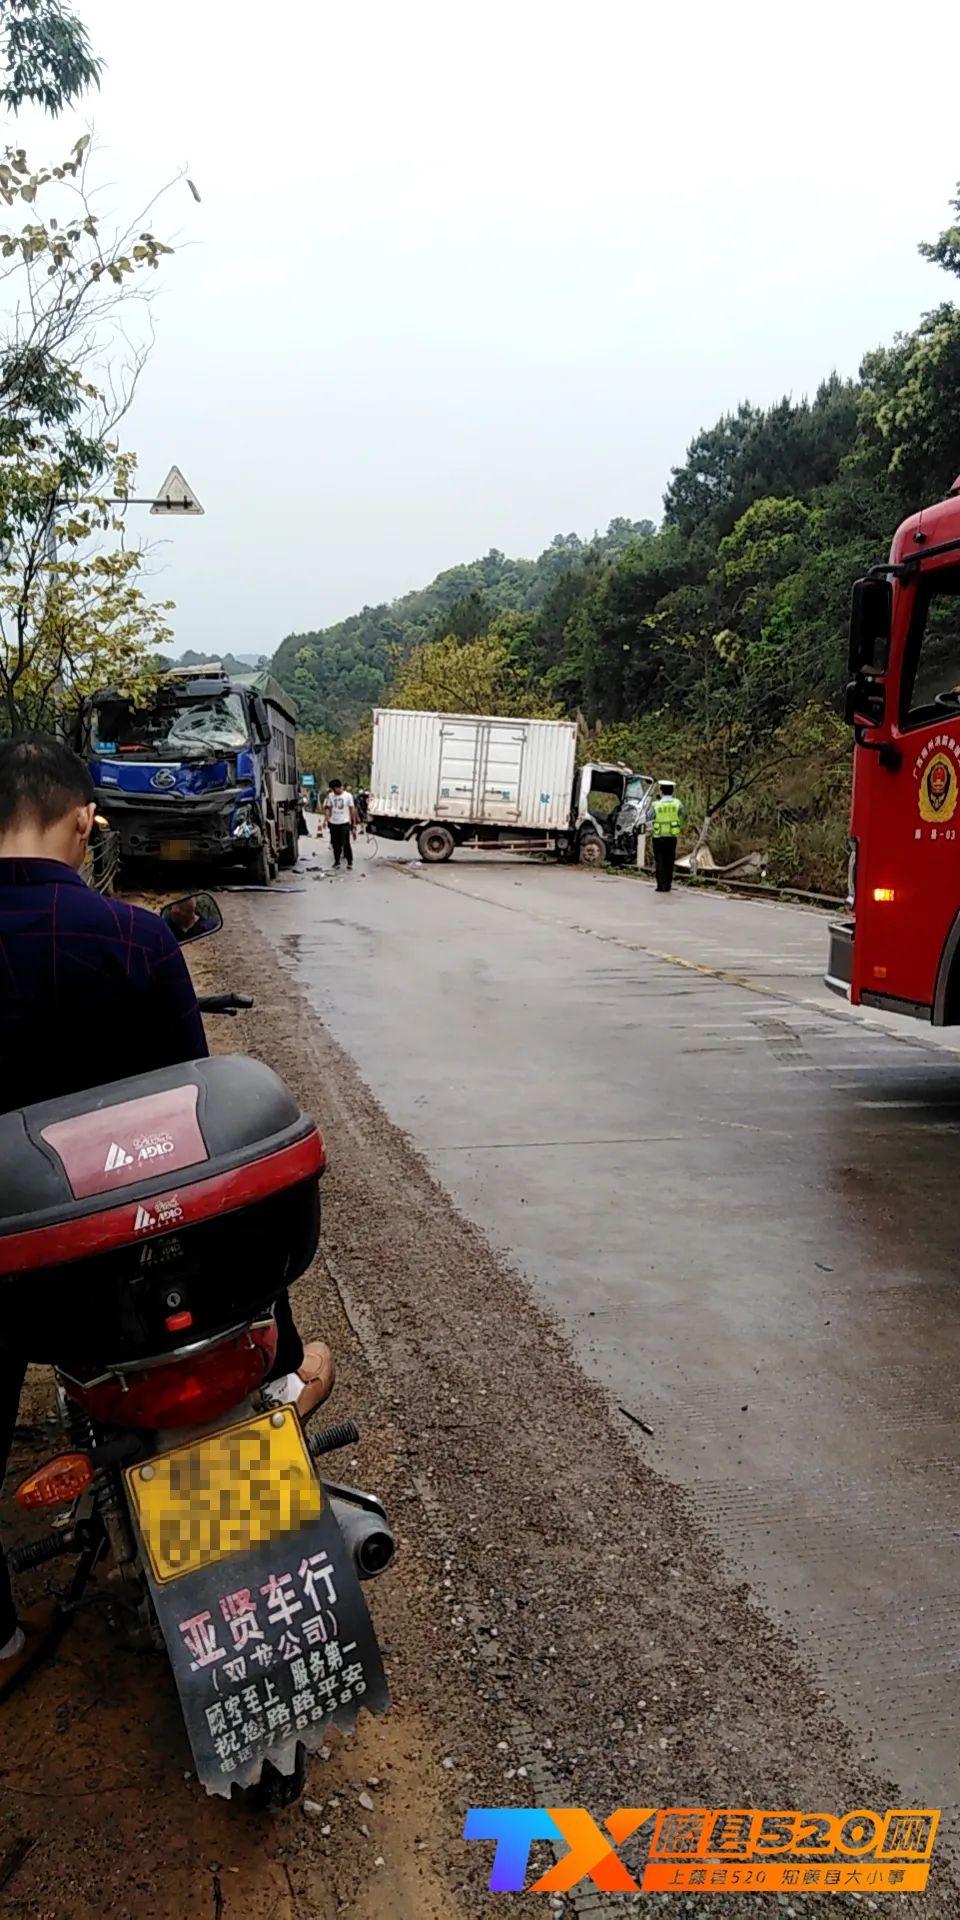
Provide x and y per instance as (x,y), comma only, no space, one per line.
(187,1392)
(53,1485)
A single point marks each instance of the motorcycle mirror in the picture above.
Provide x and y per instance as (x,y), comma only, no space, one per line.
(194,917)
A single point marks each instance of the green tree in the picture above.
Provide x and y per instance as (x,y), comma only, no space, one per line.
(611,643)
(71,607)
(467,676)
(910,410)
(466,619)
(317,753)
(45,56)
(945,250)
(338,672)
(790,448)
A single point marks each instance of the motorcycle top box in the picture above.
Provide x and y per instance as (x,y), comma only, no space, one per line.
(139,1217)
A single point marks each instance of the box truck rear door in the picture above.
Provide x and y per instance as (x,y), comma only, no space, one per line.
(480,767)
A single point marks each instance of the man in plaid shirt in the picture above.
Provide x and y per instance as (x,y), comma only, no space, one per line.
(91,990)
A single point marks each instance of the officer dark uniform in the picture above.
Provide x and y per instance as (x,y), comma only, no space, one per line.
(668,818)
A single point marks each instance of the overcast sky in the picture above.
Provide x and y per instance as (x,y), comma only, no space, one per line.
(467,277)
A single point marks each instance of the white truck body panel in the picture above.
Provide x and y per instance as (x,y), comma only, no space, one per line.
(477,769)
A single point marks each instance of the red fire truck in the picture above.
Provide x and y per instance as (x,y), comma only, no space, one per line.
(901,948)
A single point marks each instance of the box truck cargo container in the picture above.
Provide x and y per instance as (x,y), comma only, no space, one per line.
(485,780)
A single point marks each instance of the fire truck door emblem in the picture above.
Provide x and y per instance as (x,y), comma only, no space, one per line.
(938,789)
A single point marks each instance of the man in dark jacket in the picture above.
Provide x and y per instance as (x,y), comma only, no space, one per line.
(91,990)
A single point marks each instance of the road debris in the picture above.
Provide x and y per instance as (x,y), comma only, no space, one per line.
(635,1417)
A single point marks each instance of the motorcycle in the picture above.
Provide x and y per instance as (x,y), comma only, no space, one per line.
(146,1227)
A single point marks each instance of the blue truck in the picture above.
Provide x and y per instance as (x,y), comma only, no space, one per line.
(203,771)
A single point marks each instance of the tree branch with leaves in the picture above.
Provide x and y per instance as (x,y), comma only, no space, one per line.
(73,612)
(45,56)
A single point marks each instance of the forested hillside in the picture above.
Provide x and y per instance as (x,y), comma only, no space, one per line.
(713,647)
(338,674)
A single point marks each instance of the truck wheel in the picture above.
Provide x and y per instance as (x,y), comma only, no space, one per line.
(435,843)
(593,852)
(287,856)
(262,870)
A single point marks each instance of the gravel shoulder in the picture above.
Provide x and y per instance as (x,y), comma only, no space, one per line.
(556,1629)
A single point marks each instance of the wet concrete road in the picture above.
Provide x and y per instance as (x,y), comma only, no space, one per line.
(737,1197)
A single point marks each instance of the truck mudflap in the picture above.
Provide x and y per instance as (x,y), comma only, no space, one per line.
(262,1613)
(839,974)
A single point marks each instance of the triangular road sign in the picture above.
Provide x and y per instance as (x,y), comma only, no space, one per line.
(175,496)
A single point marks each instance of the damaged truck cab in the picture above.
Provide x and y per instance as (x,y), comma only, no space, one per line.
(205,770)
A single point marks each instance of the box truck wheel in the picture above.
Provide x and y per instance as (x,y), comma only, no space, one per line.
(435,843)
(593,851)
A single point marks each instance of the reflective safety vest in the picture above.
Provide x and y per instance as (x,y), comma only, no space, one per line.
(667,818)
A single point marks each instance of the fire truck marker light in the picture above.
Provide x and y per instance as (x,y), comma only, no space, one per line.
(883,893)
(879,973)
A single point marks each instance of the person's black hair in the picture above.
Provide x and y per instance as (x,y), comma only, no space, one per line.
(336,783)
(40,780)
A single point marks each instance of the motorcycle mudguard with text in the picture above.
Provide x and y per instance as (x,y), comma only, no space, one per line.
(257,1598)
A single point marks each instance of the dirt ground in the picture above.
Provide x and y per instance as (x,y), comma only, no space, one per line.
(555,1630)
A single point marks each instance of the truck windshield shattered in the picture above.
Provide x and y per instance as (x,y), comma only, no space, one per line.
(217,724)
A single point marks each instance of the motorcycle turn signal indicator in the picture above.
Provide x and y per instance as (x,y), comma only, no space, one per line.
(62,1479)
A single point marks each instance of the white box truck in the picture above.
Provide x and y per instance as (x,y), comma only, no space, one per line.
(485,780)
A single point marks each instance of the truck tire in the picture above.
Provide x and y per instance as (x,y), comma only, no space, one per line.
(592,851)
(289,851)
(261,869)
(435,843)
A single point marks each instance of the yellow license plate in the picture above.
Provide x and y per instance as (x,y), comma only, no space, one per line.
(175,850)
(224,1495)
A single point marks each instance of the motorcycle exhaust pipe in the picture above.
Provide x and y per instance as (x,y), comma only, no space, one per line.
(367,1535)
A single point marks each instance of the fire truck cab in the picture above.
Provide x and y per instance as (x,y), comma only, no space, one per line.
(900,948)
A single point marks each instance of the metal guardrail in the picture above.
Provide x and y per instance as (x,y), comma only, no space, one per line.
(759,889)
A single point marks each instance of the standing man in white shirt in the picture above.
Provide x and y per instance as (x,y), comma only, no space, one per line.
(340,814)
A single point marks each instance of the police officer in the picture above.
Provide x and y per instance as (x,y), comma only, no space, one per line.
(668,818)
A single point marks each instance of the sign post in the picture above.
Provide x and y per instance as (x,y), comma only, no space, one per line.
(175,496)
